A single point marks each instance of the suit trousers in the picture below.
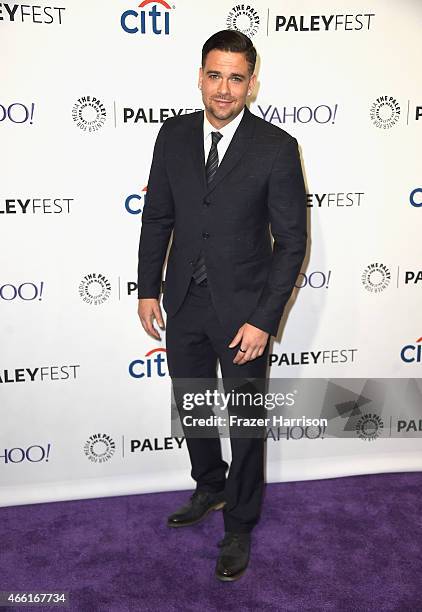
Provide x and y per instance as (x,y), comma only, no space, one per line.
(195,341)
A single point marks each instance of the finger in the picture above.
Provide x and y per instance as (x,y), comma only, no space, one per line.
(158,316)
(242,357)
(236,339)
(246,356)
(239,355)
(150,329)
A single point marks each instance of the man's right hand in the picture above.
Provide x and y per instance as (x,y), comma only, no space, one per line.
(148,310)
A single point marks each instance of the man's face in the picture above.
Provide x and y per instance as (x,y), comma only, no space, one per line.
(225,84)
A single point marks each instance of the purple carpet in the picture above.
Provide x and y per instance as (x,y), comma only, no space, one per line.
(342,544)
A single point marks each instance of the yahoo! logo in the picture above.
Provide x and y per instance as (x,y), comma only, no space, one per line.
(316,280)
(24,291)
(153,21)
(34,454)
(17,112)
(412,353)
(323,113)
(134,201)
(150,366)
(415,197)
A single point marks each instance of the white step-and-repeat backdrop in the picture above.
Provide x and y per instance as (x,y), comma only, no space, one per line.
(85,87)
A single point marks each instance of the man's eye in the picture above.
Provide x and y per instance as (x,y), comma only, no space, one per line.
(213,76)
(238,79)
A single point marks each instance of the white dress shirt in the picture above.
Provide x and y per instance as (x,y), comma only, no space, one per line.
(227,132)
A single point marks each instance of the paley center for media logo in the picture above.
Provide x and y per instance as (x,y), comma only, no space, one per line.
(385,112)
(369,427)
(89,113)
(94,289)
(99,448)
(376,277)
(243,18)
(153,18)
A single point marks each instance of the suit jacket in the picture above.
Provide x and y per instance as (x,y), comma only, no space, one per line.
(258,185)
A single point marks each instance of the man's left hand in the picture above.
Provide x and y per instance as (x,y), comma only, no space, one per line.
(252,342)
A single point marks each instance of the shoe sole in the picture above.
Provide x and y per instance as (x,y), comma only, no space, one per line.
(231,578)
(218,506)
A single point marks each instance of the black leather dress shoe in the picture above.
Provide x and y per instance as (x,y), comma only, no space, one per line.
(200,504)
(234,556)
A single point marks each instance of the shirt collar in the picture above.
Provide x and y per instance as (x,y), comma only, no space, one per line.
(227,131)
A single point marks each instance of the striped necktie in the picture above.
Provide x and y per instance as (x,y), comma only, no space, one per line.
(200,271)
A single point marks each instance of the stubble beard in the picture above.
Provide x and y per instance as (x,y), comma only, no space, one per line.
(221,115)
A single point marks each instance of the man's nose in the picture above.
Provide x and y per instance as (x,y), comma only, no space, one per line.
(224,87)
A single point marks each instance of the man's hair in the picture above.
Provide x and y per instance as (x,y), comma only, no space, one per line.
(234,41)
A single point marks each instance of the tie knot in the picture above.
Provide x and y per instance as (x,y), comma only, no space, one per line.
(216,137)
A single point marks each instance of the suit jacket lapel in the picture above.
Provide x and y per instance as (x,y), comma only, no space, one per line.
(238,146)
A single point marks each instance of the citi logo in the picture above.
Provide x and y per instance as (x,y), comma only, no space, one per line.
(415,197)
(153,21)
(151,365)
(412,353)
(134,201)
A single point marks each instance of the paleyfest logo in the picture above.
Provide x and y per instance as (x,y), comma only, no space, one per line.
(243,18)
(89,113)
(385,112)
(152,21)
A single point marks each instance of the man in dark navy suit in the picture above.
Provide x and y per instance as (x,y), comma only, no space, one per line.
(222,181)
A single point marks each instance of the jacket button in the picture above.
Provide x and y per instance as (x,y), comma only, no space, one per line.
(206,203)
(205,235)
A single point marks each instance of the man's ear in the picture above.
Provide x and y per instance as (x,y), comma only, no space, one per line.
(252,83)
(200,76)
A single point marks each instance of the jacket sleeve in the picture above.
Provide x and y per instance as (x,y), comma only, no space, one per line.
(157,223)
(287,215)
